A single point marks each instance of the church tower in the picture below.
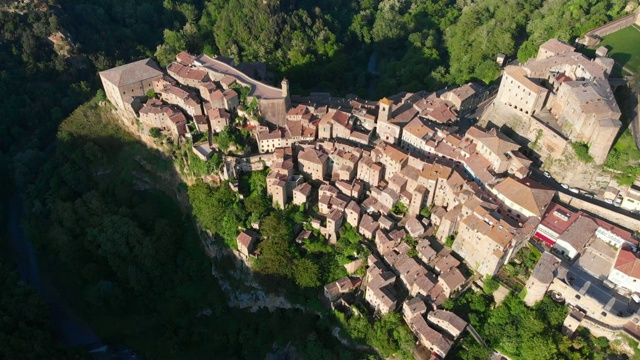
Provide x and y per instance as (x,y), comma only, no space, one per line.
(384,108)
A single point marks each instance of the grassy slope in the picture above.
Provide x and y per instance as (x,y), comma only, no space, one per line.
(624,46)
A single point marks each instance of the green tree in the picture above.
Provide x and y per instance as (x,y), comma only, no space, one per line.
(306,273)
(174,42)
(490,285)
(155,132)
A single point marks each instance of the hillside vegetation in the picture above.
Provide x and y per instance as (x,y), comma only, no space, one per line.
(105,215)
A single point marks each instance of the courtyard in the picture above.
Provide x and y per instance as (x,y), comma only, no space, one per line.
(623,47)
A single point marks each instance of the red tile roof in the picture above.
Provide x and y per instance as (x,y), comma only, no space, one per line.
(628,262)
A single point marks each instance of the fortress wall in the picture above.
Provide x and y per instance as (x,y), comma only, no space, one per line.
(593,37)
(549,143)
(527,129)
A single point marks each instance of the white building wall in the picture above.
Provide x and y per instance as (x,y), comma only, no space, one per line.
(569,251)
(621,279)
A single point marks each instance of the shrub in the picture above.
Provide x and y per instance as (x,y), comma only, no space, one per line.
(582,151)
(155,132)
(449,240)
(490,285)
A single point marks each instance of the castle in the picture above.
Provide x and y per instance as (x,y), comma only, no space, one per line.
(573,88)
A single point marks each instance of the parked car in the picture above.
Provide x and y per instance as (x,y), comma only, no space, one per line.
(546,174)
(574,190)
(588,196)
(608,201)
(564,186)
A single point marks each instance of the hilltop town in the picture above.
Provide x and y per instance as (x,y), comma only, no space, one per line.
(443,203)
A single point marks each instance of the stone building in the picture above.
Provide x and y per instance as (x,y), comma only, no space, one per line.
(312,163)
(447,321)
(123,84)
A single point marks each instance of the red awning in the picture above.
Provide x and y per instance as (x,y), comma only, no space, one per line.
(539,236)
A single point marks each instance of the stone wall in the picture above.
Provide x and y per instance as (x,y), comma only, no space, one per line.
(528,131)
(592,37)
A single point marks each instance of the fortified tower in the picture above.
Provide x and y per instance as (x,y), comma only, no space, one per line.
(285,92)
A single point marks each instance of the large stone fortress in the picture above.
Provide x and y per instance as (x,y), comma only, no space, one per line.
(574,89)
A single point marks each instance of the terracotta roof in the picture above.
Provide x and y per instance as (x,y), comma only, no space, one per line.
(230,94)
(527,193)
(442,113)
(218,113)
(187,72)
(447,316)
(558,218)
(393,153)
(415,306)
(495,140)
(404,114)
(419,129)
(313,155)
(341,118)
(414,227)
(628,262)
(245,239)
(368,224)
(185,58)
(556,46)
(216,95)
(200,119)
(298,110)
(580,232)
(335,214)
(132,72)
(424,283)
(269,135)
(453,278)
(466,91)
(446,263)
(520,75)
(304,189)
(227,80)
(424,248)
(353,206)
(424,332)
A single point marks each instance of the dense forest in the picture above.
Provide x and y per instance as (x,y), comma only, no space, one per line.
(102,208)
(26,323)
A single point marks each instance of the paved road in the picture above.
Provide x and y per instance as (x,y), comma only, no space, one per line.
(609,300)
(537,175)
